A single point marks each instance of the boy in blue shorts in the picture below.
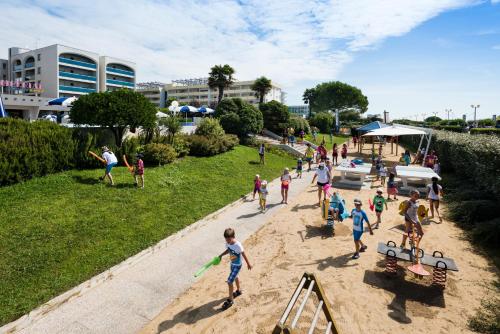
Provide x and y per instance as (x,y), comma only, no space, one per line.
(235,250)
(358,219)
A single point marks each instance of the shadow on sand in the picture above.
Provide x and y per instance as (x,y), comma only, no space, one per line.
(257,211)
(342,261)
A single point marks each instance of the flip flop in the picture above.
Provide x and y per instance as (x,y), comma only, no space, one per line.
(237,293)
(227,304)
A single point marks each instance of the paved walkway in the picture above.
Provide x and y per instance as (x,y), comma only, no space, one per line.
(133,294)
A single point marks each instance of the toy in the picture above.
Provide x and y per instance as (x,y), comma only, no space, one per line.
(422,213)
(97,157)
(130,168)
(214,262)
(372,207)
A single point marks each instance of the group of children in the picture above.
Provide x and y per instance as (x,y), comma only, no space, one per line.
(111,161)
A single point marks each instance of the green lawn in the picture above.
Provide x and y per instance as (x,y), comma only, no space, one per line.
(60,230)
(339,139)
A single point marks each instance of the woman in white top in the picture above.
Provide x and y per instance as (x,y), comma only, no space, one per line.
(286,179)
(323,175)
(434,193)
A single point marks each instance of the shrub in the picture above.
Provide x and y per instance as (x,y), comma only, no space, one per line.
(181,146)
(487,131)
(159,154)
(202,146)
(244,121)
(275,115)
(33,149)
(299,123)
(323,121)
(210,127)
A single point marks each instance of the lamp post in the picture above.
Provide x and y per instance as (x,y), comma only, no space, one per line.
(475,108)
(448,111)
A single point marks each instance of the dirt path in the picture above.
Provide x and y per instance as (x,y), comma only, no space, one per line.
(363,299)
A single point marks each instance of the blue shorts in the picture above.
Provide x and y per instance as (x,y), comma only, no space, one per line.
(110,167)
(234,273)
(357,235)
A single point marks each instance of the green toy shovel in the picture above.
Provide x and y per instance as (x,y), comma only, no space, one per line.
(215,261)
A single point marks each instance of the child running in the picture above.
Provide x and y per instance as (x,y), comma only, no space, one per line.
(256,185)
(235,250)
(324,177)
(111,162)
(378,203)
(139,170)
(309,156)
(263,192)
(358,219)
(299,168)
(286,179)
(434,193)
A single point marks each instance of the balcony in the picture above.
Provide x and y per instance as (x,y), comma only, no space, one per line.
(77,76)
(77,63)
(18,67)
(29,65)
(120,83)
(119,71)
(76,89)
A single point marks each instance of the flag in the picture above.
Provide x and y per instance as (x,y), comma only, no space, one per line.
(3,113)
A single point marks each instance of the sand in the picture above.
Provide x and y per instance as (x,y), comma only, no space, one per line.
(362,297)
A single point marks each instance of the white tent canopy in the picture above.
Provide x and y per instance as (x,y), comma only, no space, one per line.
(394,131)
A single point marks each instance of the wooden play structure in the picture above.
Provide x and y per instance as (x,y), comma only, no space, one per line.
(310,283)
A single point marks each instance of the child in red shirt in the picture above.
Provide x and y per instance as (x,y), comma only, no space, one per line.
(139,170)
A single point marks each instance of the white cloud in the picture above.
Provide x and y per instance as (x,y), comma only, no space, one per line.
(290,41)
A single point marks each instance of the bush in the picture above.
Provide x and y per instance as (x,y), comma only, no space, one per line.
(323,121)
(452,128)
(159,154)
(275,115)
(210,127)
(33,149)
(456,122)
(299,123)
(487,318)
(181,146)
(244,121)
(488,131)
(202,146)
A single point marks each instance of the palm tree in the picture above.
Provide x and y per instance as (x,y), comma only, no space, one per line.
(261,86)
(220,77)
(308,98)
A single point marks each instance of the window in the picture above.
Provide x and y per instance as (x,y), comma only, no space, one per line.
(39,70)
(4,66)
(38,57)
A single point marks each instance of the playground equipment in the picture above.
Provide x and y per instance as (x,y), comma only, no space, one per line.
(310,283)
(418,257)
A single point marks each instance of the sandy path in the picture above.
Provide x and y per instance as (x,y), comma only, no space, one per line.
(363,299)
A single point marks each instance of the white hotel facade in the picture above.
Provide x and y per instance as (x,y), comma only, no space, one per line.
(65,71)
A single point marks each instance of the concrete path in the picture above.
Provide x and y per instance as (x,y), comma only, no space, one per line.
(130,295)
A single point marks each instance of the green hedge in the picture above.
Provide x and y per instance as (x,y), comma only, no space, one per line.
(485,131)
(453,128)
(202,146)
(33,149)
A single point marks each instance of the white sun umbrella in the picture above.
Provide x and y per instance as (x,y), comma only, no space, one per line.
(394,131)
(160,114)
(62,101)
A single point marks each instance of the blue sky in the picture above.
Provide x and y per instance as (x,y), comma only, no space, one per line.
(409,57)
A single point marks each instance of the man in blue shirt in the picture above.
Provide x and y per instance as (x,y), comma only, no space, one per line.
(358,219)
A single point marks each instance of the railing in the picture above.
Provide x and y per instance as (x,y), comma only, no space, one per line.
(77,89)
(120,83)
(18,67)
(77,76)
(119,71)
(29,65)
(76,62)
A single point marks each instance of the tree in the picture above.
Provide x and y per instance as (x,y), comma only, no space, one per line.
(173,126)
(239,117)
(350,116)
(338,95)
(210,127)
(118,110)
(220,77)
(323,121)
(276,116)
(261,86)
(308,98)
(169,101)
(432,119)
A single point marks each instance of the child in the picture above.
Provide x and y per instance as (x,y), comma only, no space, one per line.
(309,155)
(139,170)
(373,156)
(286,179)
(235,250)
(407,158)
(411,218)
(392,187)
(378,166)
(328,164)
(358,218)
(111,162)
(263,192)
(343,153)
(437,168)
(434,193)
(335,154)
(336,204)
(383,173)
(321,152)
(378,203)
(262,152)
(299,168)
(256,185)
(402,160)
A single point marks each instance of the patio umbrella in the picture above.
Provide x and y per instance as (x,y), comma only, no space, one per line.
(52,118)
(187,109)
(62,101)
(160,114)
(206,110)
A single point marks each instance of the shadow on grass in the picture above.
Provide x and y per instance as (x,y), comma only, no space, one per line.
(253,162)
(124,185)
(408,295)
(191,315)
(85,180)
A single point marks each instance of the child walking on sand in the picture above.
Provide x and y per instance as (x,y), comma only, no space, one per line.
(139,171)
(286,179)
(434,193)
(299,168)
(343,152)
(263,192)
(236,251)
(309,156)
(411,218)
(392,187)
(256,185)
(378,203)
(335,154)
(358,219)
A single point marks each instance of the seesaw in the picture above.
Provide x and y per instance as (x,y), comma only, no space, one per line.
(325,213)
(310,283)
(417,256)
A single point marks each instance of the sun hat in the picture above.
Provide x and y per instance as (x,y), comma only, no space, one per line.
(379,190)
(257,175)
(104,148)
(322,164)
(357,201)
